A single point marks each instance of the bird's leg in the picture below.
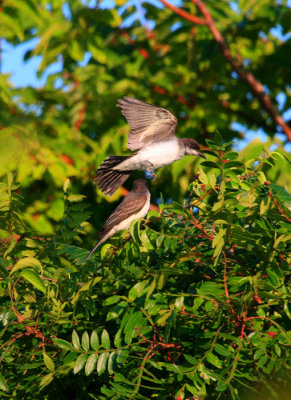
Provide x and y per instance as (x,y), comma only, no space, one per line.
(150,172)
(150,175)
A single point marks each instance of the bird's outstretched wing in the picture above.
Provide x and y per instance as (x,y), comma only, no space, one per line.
(148,123)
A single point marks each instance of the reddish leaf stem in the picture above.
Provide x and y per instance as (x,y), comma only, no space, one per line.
(279,208)
(80,117)
(256,86)
(184,14)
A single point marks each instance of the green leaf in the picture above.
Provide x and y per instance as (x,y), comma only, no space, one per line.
(85,341)
(136,291)
(233,164)
(97,53)
(111,362)
(121,356)
(209,164)
(179,303)
(282,238)
(210,288)
(80,362)
(197,303)
(105,341)
(3,384)
(46,380)
(26,262)
(102,362)
(90,363)
(66,185)
(111,300)
(151,288)
(281,193)
(94,340)
(222,187)
(145,241)
(117,339)
(202,176)
(75,50)
(231,155)
(213,359)
(262,177)
(75,340)
(105,249)
(63,344)
(245,186)
(212,145)
(212,181)
(265,205)
(135,230)
(34,279)
(222,350)
(273,277)
(218,138)
(136,323)
(48,362)
(76,198)
(221,386)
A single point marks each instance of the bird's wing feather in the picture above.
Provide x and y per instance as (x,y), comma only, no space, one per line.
(130,205)
(148,123)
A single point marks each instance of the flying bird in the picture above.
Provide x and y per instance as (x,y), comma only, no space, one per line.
(152,132)
(134,206)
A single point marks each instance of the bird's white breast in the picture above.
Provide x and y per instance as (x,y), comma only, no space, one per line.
(161,153)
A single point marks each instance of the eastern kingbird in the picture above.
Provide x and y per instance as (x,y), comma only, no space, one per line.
(134,206)
(152,132)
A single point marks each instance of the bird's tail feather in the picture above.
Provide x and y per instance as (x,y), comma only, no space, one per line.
(95,247)
(108,179)
(103,236)
(92,251)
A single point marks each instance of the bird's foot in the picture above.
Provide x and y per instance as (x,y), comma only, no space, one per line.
(150,175)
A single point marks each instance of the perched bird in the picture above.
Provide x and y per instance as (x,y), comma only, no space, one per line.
(152,132)
(134,206)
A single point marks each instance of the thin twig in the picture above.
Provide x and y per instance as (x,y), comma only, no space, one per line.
(184,14)
(256,86)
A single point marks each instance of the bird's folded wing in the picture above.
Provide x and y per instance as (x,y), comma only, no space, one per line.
(148,123)
(130,205)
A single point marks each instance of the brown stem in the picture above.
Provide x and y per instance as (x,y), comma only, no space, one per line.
(184,14)
(256,86)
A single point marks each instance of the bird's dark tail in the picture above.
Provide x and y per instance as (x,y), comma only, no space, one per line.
(108,179)
(95,247)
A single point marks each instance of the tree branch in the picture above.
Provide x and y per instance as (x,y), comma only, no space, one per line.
(184,14)
(256,86)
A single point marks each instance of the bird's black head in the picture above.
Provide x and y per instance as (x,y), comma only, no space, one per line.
(192,147)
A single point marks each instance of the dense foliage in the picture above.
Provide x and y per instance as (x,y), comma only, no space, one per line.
(195,304)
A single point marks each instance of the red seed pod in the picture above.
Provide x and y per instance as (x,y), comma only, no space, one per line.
(144,53)
(256,298)
(67,159)
(271,334)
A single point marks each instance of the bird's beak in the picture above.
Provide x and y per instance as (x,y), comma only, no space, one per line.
(201,155)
